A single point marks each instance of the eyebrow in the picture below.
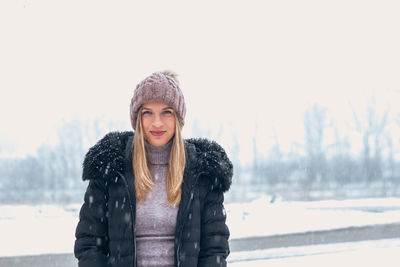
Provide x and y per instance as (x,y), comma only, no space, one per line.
(162,109)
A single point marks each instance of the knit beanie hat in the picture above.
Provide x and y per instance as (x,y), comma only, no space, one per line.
(160,86)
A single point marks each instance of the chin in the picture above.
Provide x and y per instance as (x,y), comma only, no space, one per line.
(157,142)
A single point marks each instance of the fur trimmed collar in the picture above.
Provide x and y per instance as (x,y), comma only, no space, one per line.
(107,158)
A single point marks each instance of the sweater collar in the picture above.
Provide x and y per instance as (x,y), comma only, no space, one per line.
(158,154)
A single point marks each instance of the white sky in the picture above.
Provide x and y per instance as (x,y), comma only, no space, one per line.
(238,61)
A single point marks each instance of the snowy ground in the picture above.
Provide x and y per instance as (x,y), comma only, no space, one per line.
(46,229)
(366,253)
(262,218)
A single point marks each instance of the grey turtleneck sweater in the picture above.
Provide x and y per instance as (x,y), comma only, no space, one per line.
(155,217)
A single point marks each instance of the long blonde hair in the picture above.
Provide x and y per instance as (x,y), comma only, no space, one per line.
(176,166)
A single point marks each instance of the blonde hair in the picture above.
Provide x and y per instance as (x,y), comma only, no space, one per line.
(177,160)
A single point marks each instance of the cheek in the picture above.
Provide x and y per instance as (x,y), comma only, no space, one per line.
(171,124)
(145,124)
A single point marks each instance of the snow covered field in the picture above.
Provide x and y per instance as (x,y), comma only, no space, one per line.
(366,253)
(262,218)
(46,229)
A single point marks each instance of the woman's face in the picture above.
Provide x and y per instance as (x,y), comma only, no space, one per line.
(158,122)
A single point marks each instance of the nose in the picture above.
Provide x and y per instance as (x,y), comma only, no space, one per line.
(157,122)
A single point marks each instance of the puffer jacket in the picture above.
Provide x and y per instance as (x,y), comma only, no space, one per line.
(105,234)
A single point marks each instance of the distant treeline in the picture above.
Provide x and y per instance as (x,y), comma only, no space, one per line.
(54,173)
(311,169)
(319,169)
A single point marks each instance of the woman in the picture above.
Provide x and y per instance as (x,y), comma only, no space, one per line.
(154,199)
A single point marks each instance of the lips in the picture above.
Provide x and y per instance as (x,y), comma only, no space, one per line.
(157,133)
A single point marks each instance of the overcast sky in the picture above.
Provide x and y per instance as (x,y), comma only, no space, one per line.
(237,60)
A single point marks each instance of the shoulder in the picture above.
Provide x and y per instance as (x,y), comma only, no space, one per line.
(106,157)
(208,157)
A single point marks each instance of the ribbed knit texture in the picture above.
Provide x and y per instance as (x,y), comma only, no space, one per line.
(158,87)
(155,217)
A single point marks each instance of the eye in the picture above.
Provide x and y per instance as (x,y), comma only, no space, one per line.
(168,111)
(146,112)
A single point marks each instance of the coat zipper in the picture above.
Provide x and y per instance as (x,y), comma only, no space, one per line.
(182,225)
(183,221)
(133,215)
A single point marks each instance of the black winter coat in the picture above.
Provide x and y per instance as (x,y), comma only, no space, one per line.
(105,234)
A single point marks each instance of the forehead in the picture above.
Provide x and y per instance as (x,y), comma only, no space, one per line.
(156,105)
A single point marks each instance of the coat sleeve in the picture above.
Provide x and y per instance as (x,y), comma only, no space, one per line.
(91,244)
(214,246)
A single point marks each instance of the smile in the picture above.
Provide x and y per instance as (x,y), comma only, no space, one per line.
(157,133)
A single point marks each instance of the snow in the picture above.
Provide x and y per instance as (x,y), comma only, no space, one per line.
(262,218)
(366,253)
(44,229)
(311,250)
(33,230)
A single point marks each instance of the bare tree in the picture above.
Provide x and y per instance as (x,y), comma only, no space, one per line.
(235,152)
(314,125)
(257,175)
(62,163)
(372,129)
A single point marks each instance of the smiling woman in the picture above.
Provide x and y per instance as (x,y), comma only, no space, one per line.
(153,198)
